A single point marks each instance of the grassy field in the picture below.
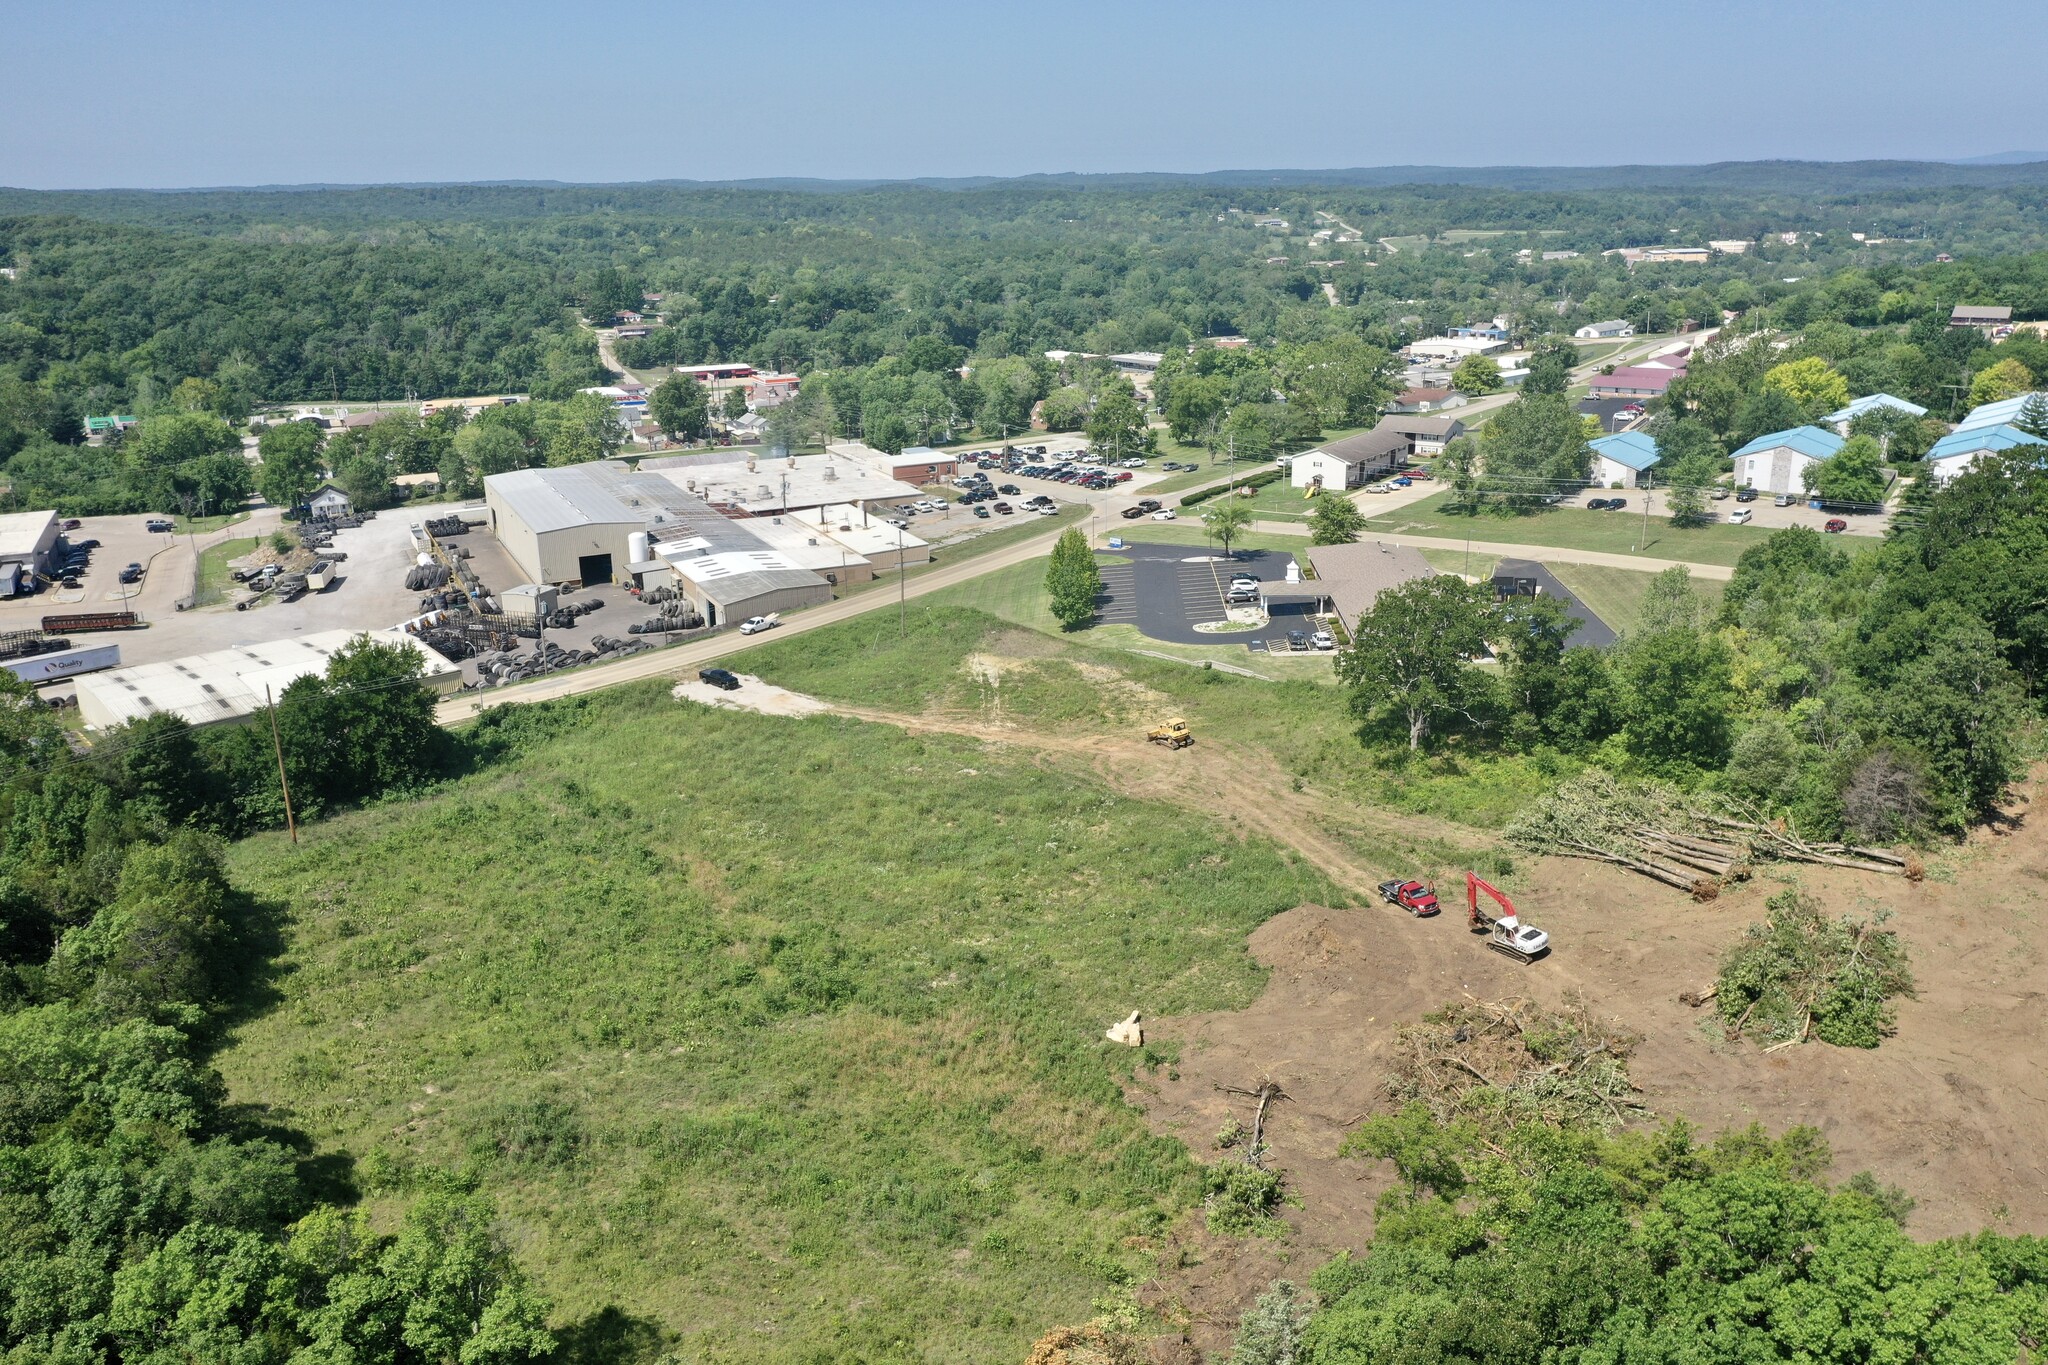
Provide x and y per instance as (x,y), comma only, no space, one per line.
(1021,528)
(1575,528)
(213,582)
(776,1040)
(1616,595)
(202,525)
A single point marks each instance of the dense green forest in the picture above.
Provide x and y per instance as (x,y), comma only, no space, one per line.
(221,302)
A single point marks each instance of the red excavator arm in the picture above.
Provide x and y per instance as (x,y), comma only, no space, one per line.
(1473,886)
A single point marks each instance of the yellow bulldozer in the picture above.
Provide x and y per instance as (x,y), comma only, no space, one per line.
(1174,734)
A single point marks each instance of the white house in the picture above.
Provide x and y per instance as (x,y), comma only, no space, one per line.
(1621,459)
(1606,331)
(1777,463)
(1955,453)
(328,501)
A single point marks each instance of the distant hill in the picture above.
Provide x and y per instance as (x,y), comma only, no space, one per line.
(2000,169)
(2001,159)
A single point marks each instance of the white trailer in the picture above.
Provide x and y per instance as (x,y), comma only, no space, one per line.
(42,668)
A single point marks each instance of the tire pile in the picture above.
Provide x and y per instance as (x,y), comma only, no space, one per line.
(656,596)
(442,601)
(674,616)
(446,526)
(501,669)
(422,577)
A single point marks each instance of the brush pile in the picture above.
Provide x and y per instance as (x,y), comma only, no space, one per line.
(1510,1062)
(1801,974)
(1697,843)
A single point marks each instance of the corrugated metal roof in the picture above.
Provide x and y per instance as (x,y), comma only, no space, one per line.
(1994,414)
(1979,439)
(1631,448)
(1872,402)
(741,575)
(227,684)
(1816,443)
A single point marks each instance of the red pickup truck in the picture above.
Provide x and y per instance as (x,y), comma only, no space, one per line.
(1411,896)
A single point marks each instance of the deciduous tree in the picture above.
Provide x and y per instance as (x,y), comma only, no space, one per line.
(1073,580)
(1411,654)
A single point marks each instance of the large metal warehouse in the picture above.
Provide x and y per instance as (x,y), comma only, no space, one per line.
(229,684)
(28,540)
(603,522)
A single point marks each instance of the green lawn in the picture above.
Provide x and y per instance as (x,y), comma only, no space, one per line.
(1616,595)
(202,525)
(213,582)
(1575,528)
(775,1040)
(1021,528)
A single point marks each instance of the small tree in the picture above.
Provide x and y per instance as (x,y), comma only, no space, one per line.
(1811,383)
(1410,654)
(735,404)
(1853,474)
(1996,383)
(1476,374)
(1226,519)
(1336,521)
(1073,580)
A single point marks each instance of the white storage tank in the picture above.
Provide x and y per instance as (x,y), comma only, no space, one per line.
(639,547)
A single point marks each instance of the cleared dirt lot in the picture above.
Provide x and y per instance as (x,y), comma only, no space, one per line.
(1951,1108)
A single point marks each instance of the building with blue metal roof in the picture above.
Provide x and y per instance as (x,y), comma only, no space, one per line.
(1777,463)
(1999,414)
(1841,419)
(1619,460)
(1957,451)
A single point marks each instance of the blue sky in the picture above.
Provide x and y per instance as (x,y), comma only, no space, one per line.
(97,93)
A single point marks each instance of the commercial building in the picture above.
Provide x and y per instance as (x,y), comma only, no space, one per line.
(1622,459)
(1777,463)
(229,684)
(1611,330)
(762,486)
(919,465)
(717,374)
(28,546)
(328,501)
(1451,350)
(1137,362)
(1353,576)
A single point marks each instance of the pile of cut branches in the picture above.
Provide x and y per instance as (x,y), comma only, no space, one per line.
(1512,1061)
(1695,843)
(1800,974)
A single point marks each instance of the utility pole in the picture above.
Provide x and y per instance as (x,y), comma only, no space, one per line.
(277,743)
(902,587)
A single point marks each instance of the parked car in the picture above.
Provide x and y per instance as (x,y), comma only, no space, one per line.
(1297,640)
(1148,504)
(1403,482)
(1783,500)
(981,512)
(1616,504)
(72,523)
(1745,495)
(1132,513)
(131,574)
(1322,639)
(1741,516)
(1836,525)
(1719,495)
(159,524)
(1009,490)
(1164,514)
(1004,508)
(721,678)
(1596,504)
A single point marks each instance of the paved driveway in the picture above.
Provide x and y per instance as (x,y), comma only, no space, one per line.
(1592,630)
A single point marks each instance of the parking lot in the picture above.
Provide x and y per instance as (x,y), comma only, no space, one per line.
(1167,591)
